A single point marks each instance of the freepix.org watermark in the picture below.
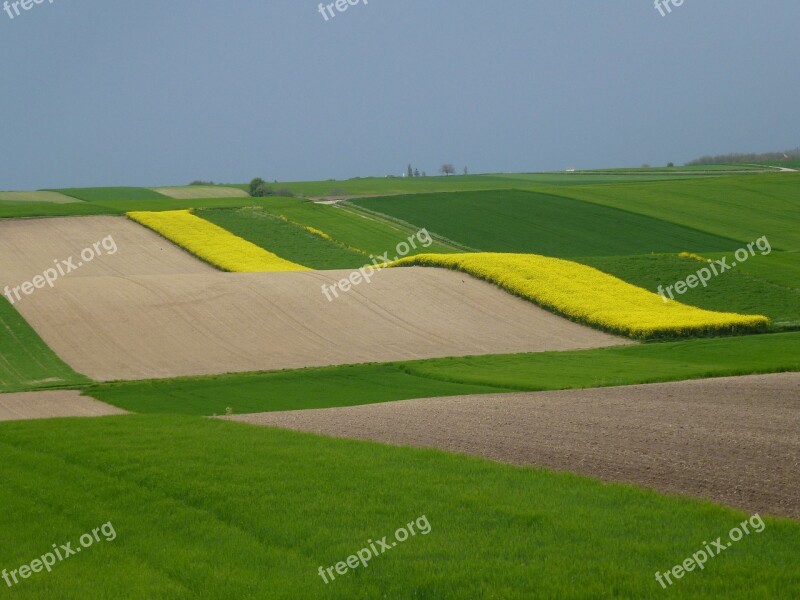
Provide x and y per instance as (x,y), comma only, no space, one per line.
(378,263)
(363,556)
(340,6)
(664,7)
(12,8)
(62,268)
(715,268)
(715,548)
(49,559)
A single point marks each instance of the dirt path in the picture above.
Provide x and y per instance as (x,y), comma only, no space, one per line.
(52,404)
(733,440)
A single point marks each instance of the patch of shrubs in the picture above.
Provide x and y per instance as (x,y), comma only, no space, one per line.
(261,189)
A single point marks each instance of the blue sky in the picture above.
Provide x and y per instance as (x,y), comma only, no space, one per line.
(154,93)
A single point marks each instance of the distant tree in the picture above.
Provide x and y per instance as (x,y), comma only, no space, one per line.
(424,174)
(410,171)
(670,165)
(466,171)
(447,169)
(416,172)
(199,182)
(257,187)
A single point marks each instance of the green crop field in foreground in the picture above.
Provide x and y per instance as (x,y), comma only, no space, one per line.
(367,384)
(514,221)
(208,509)
(26,362)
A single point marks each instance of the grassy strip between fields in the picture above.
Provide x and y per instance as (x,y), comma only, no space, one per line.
(373,383)
(26,362)
(209,509)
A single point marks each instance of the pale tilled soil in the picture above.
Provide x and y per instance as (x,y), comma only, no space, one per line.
(52,404)
(734,440)
(195,192)
(164,326)
(52,197)
(29,246)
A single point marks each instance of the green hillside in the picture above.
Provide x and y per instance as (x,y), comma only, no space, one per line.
(516,221)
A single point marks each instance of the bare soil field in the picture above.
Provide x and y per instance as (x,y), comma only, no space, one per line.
(52,197)
(199,192)
(52,404)
(29,246)
(733,440)
(144,327)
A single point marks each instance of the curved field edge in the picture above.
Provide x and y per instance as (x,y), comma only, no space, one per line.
(352,385)
(586,295)
(276,498)
(211,243)
(26,362)
(763,286)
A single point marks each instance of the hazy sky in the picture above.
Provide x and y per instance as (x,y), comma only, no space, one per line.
(153,92)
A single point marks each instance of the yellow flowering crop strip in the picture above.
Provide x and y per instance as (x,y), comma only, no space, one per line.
(213,244)
(589,296)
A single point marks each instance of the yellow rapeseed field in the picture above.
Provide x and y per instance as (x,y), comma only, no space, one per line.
(213,244)
(587,295)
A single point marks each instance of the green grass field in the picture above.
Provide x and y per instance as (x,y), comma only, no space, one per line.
(18,210)
(206,509)
(349,227)
(286,239)
(26,362)
(489,181)
(368,384)
(209,509)
(736,290)
(514,221)
(742,207)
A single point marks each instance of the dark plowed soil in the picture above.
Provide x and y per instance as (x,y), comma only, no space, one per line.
(733,440)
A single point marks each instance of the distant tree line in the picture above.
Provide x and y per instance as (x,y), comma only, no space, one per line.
(747,158)
(445,169)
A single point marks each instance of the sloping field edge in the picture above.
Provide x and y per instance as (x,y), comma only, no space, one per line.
(213,244)
(589,296)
